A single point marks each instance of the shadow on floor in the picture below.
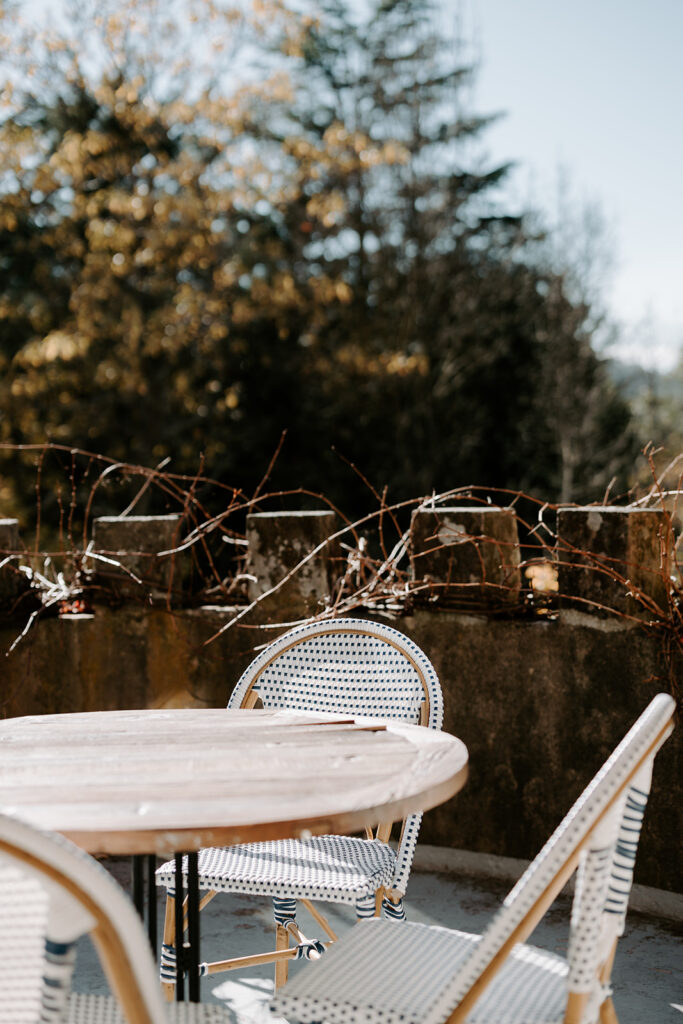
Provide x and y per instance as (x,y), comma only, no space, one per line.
(648,974)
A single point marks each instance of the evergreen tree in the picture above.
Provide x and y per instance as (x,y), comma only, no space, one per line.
(190,266)
(445,365)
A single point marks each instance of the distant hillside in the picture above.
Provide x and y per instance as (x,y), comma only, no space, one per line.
(656,402)
(634,381)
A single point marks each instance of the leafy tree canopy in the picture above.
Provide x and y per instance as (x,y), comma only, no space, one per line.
(220,222)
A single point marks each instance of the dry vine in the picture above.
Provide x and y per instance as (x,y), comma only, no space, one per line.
(377,562)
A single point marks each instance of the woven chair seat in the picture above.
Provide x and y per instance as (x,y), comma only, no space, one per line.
(387,972)
(92,1009)
(334,868)
(341,666)
(391,972)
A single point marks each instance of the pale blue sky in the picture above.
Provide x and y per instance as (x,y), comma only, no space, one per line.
(596,87)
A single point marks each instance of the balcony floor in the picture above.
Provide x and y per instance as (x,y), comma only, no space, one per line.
(648,975)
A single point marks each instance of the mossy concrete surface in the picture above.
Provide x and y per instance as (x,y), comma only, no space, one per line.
(539,704)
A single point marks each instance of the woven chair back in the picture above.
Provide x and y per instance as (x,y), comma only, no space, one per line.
(51,893)
(348,667)
(23,926)
(598,837)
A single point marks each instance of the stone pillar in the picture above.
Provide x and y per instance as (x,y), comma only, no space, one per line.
(133,545)
(277,543)
(607,555)
(469,554)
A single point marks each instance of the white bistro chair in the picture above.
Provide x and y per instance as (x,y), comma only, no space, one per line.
(52,893)
(385,973)
(347,667)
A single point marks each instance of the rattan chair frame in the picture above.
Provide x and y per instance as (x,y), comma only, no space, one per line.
(252,689)
(594,837)
(81,897)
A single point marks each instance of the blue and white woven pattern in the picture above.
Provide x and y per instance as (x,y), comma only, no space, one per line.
(419,973)
(347,666)
(621,878)
(23,923)
(586,918)
(336,868)
(60,960)
(394,973)
(49,887)
(92,1009)
(343,666)
(564,841)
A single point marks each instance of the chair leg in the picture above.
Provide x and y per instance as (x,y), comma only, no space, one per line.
(576,1004)
(168,957)
(60,959)
(608,1014)
(365,906)
(285,926)
(321,919)
(281,966)
(392,906)
(284,911)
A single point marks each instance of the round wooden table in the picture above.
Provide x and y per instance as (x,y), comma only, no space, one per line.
(126,782)
(162,782)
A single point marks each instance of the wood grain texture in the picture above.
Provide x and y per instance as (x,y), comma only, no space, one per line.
(156,781)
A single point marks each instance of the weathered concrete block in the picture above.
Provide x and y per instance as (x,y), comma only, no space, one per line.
(470,554)
(135,543)
(277,543)
(607,556)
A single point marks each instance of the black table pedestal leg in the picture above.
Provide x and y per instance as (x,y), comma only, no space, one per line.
(139,885)
(151,862)
(145,895)
(193,925)
(187,952)
(179,930)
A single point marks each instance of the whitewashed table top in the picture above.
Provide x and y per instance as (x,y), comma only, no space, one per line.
(157,781)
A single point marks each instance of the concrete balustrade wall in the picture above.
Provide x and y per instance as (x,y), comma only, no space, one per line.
(540,702)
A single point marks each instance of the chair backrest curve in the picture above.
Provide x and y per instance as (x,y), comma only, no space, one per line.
(549,871)
(348,666)
(97,904)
